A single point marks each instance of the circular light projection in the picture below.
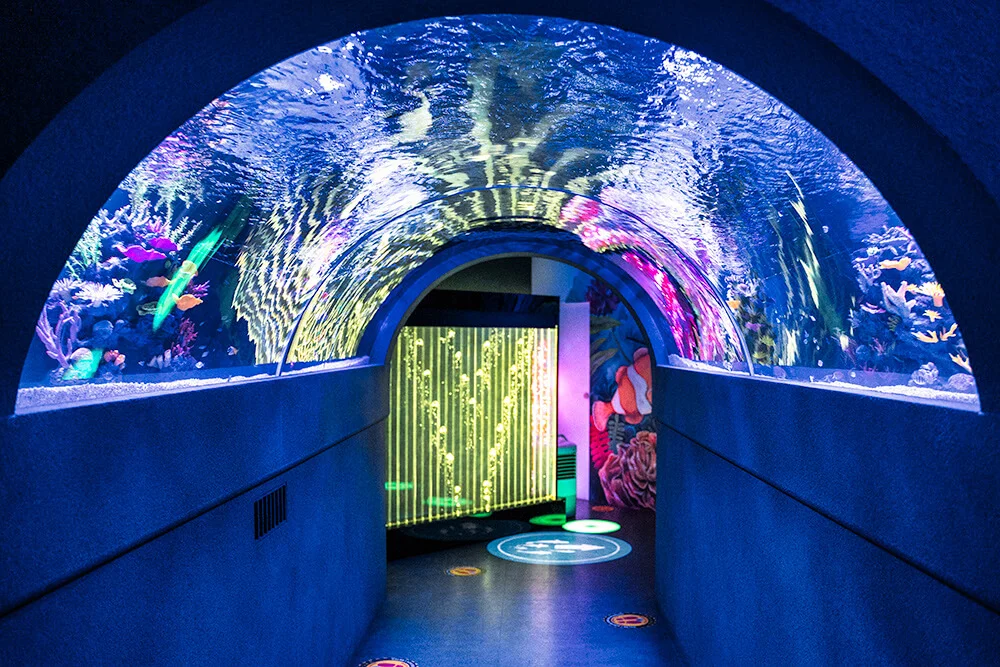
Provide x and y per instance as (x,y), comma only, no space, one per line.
(591,526)
(388,662)
(465,571)
(602,508)
(629,620)
(548,520)
(559,548)
(482,515)
(262,236)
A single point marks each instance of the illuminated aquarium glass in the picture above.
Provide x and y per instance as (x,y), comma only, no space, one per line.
(471,425)
(262,235)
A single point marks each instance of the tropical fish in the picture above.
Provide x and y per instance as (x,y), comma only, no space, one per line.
(232,351)
(147,308)
(158,281)
(164,244)
(961,361)
(898,264)
(139,254)
(895,300)
(734,303)
(932,315)
(187,302)
(926,337)
(634,395)
(125,285)
(188,268)
(950,333)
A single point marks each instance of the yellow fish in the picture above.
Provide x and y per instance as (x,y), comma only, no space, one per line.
(950,333)
(898,264)
(158,281)
(734,303)
(961,361)
(187,302)
(929,337)
(932,315)
(188,268)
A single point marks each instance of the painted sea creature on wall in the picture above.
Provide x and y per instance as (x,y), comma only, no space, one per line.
(633,397)
(622,431)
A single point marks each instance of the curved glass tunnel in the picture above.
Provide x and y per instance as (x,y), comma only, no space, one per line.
(263,234)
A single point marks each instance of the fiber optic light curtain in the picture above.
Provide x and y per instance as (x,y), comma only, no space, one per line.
(471,422)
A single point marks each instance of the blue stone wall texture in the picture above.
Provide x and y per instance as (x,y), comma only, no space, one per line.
(798,525)
(208,593)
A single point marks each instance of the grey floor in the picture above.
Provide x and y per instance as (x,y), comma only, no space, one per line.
(522,615)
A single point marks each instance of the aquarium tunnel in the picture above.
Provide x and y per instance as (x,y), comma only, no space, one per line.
(662,337)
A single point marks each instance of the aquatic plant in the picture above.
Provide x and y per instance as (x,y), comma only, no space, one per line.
(96,295)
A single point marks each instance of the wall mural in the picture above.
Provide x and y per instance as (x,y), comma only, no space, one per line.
(622,430)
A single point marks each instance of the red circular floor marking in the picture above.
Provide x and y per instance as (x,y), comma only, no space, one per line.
(629,620)
(602,508)
(464,571)
(388,662)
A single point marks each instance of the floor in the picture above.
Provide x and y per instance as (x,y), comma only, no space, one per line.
(521,615)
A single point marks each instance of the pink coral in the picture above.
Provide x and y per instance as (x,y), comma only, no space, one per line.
(628,476)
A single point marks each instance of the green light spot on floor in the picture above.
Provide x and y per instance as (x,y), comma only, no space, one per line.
(482,515)
(549,520)
(593,526)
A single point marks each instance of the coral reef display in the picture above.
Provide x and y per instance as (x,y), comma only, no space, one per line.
(265,232)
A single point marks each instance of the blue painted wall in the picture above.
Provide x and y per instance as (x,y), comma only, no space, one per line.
(128,527)
(797,525)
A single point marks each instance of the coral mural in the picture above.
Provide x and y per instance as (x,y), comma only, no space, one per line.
(622,431)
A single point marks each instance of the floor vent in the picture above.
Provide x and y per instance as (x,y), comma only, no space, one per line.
(270,511)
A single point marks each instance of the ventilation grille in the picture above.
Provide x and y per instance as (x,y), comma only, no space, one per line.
(566,466)
(269,511)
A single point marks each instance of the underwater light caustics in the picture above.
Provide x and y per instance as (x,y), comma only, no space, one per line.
(276,220)
(471,425)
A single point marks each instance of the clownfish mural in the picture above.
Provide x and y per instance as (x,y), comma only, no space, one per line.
(622,429)
(634,395)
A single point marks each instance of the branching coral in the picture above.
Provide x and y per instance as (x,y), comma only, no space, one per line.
(61,339)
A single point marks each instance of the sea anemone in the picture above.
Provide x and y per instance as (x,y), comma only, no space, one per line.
(97,295)
(63,289)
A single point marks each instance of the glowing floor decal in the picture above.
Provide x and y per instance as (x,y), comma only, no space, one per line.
(629,620)
(465,571)
(559,548)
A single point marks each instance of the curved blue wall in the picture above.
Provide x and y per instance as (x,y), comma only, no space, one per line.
(795,525)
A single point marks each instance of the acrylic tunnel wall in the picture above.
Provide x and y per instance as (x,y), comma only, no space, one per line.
(260,238)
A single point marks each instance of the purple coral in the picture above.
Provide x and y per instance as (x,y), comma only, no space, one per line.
(186,335)
(61,339)
(199,290)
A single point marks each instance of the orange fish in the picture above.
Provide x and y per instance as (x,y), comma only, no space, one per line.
(187,302)
(157,281)
(734,304)
(634,395)
(898,264)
